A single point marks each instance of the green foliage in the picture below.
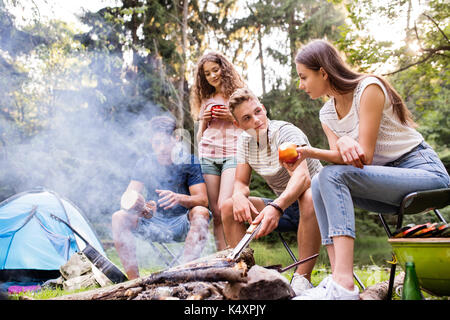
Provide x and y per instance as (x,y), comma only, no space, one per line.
(259,188)
(53,68)
(421,76)
(296,107)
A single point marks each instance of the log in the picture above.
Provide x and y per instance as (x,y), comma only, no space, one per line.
(230,274)
(184,291)
(213,268)
(262,284)
(246,256)
(379,291)
(121,291)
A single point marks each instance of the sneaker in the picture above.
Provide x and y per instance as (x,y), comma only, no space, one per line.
(324,282)
(330,290)
(299,284)
(321,286)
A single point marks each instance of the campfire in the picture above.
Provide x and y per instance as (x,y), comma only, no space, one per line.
(214,277)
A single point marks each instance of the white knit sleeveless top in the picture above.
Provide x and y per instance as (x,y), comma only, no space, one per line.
(394,138)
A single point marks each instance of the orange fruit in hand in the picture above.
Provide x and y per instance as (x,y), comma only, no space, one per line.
(287,152)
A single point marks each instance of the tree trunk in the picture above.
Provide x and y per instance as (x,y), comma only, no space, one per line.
(292,40)
(181,84)
(261,61)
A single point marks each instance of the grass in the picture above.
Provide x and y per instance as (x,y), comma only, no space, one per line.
(370,257)
(371,269)
(45,294)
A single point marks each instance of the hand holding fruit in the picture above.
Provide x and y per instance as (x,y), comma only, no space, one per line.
(287,152)
(290,155)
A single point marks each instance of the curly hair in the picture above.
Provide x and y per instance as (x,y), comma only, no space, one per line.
(201,90)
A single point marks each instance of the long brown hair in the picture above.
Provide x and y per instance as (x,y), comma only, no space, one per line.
(321,54)
(201,90)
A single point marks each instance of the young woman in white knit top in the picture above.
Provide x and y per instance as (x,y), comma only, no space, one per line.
(378,157)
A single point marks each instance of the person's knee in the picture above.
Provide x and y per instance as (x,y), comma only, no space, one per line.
(121,221)
(118,219)
(220,205)
(307,205)
(334,174)
(226,210)
(315,185)
(199,212)
(199,220)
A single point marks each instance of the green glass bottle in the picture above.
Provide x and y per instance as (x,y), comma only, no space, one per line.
(411,288)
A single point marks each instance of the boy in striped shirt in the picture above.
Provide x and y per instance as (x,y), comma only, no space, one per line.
(258,150)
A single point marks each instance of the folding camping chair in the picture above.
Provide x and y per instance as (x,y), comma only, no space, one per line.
(294,258)
(170,258)
(414,203)
(166,255)
(169,251)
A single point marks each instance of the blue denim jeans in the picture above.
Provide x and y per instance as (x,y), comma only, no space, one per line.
(164,228)
(338,188)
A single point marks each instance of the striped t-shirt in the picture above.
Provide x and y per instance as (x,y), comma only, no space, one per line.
(263,157)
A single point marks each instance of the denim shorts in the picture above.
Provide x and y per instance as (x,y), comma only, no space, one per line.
(290,219)
(380,189)
(217,166)
(164,228)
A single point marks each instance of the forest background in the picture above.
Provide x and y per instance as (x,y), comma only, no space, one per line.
(74,101)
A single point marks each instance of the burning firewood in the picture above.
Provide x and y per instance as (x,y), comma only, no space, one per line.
(196,279)
(231,272)
(262,284)
(184,291)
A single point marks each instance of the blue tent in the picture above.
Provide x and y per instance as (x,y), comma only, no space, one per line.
(33,245)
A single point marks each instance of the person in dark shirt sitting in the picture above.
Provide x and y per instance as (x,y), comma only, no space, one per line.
(175,207)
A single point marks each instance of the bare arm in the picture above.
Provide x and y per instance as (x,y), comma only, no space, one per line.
(204,118)
(299,182)
(138,205)
(359,153)
(242,206)
(331,155)
(371,111)
(242,179)
(202,125)
(346,150)
(197,197)
(136,186)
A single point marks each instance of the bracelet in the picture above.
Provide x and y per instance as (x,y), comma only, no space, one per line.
(273,204)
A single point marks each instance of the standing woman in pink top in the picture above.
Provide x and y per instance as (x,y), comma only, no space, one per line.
(215,80)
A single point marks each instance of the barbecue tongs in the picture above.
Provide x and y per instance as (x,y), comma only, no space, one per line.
(249,235)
